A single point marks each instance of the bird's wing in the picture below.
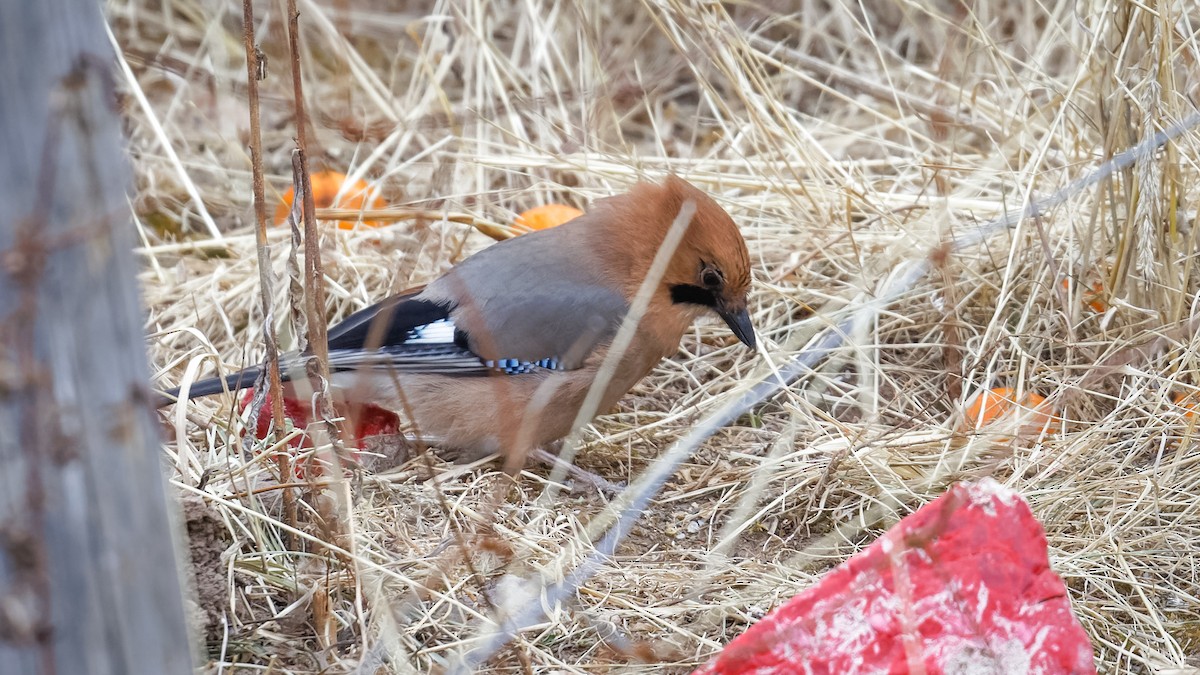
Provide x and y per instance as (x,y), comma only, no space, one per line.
(409,337)
(401,333)
(519,306)
(405,333)
(553,327)
(564,322)
(391,320)
(537,296)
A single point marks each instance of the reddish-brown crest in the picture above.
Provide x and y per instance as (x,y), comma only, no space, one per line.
(637,223)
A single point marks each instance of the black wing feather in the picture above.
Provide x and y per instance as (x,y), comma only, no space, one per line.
(362,341)
(386,323)
(243,379)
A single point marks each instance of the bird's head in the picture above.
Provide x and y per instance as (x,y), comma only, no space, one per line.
(711,266)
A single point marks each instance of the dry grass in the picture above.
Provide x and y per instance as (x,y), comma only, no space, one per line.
(845,142)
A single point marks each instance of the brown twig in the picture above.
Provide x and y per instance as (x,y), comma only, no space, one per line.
(254,66)
(334,518)
(314,276)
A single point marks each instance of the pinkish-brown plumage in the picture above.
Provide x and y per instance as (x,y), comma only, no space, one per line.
(498,354)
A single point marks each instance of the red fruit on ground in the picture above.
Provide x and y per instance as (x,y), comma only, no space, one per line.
(963,585)
(368,421)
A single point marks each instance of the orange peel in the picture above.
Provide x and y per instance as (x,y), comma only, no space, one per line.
(326,185)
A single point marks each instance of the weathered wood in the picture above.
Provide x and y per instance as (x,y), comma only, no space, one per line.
(88,576)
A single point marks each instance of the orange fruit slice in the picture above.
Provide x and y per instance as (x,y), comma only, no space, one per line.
(325,186)
(1093,297)
(545,217)
(990,405)
(1188,402)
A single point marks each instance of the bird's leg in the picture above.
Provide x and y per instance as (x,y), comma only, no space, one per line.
(602,485)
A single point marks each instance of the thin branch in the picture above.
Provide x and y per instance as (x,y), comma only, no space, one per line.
(254,65)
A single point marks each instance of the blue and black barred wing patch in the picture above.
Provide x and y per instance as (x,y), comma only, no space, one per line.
(518,367)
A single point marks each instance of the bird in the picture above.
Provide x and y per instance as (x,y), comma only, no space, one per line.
(498,354)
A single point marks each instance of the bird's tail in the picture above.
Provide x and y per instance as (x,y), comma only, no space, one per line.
(243,379)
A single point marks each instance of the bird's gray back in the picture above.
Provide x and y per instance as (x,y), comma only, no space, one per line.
(536,296)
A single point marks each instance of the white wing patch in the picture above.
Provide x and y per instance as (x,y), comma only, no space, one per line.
(438,332)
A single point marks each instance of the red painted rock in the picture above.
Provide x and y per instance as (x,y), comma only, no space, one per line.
(963,585)
(368,421)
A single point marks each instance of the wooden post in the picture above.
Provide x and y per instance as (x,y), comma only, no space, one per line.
(88,575)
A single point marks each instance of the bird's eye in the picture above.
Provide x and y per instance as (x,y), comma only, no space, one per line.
(711,278)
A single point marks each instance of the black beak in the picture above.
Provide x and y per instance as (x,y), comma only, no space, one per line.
(738,321)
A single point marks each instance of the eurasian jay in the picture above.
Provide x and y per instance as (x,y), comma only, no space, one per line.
(498,354)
